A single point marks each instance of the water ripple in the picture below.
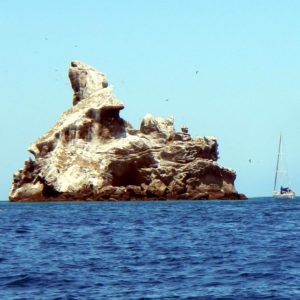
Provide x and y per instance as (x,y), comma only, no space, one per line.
(153,250)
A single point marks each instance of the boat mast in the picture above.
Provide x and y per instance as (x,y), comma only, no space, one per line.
(277,164)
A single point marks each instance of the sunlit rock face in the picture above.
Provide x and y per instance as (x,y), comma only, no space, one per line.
(91,153)
(85,81)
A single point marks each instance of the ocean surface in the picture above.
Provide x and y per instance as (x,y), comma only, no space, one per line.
(151,250)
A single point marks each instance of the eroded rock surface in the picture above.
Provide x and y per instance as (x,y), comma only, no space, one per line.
(91,153)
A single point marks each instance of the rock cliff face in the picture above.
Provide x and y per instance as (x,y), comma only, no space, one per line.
(91,153)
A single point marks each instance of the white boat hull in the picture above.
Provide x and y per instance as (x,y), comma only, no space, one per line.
(287,195)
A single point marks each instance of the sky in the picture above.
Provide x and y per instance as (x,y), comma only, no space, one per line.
(230,69)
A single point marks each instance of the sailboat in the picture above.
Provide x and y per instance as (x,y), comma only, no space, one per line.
(281,176)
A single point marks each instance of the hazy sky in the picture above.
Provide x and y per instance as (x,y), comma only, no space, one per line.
(246,92)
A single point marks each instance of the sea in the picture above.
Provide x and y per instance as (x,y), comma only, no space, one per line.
(150,250)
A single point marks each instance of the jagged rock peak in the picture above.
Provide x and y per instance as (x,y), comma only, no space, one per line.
(163,126)
(93,100)
(91,153)
(85,80)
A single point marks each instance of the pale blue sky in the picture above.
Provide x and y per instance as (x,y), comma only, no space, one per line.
(247,90)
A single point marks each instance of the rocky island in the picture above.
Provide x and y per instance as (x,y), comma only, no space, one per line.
(91,153)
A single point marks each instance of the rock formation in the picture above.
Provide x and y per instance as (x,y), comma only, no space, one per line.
(91,153)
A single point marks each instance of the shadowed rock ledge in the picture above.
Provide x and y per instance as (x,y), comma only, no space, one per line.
(91,153)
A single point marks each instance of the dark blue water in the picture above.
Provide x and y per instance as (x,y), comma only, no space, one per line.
(151,250)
